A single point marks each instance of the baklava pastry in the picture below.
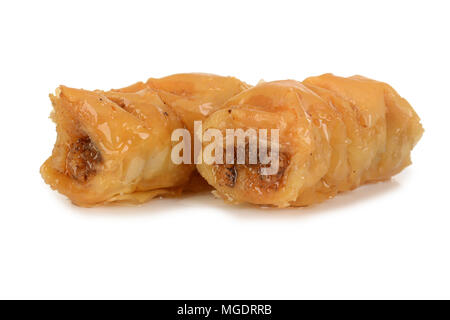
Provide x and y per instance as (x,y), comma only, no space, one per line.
(116,146)
(334,134)
(113,147)
(194,96)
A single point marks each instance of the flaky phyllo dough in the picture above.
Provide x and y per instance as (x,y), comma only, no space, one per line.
(335,134)
(115,146)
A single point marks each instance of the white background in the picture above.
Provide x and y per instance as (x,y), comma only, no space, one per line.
(389,240)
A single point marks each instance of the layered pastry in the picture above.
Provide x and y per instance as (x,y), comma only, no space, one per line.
(116,146)
(333,135)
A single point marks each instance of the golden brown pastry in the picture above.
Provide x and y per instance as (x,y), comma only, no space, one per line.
(115,146)
(194,96)
(334,134)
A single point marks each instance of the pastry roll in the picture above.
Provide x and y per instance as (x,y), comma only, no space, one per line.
(116,146)
(113,147)
(334,134)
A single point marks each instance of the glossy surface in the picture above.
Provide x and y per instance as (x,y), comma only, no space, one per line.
(131,135)
(335,134)
(194,96)
(115,146)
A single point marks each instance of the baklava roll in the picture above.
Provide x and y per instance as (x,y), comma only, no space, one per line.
(334,134)
(113,147)
(116,146)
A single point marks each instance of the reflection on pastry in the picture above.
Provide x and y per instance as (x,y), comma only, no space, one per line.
(334,135)
(115,146)
(194,96)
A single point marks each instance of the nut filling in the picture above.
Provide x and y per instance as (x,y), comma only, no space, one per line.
(82,159)
(250,175)
(226,175)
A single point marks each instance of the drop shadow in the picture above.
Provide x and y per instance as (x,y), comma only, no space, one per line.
(153,207)
(341,201)
(241,211)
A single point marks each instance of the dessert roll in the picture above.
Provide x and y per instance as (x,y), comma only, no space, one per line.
(113,147)
(334,134)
